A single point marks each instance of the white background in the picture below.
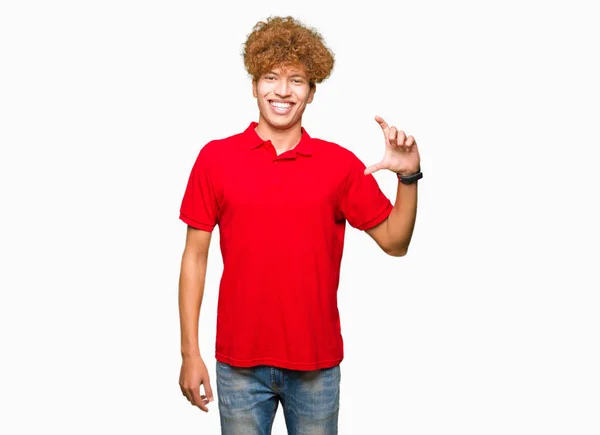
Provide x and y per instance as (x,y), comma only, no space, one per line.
(489,325)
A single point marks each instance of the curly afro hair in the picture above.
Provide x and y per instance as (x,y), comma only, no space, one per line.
(283,42)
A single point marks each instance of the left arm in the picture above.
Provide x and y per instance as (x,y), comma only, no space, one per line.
(393,235)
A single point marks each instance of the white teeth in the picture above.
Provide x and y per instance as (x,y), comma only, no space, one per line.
(281,105)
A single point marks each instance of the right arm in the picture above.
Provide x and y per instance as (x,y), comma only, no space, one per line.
(191,288)
(191,291)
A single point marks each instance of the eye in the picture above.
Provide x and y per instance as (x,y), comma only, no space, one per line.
(269,78)
(298,81)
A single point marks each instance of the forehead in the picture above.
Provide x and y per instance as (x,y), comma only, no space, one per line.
(296,69)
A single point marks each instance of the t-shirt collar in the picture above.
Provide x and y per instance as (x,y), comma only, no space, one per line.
(253,140)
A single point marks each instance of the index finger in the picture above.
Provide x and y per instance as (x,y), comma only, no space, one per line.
(198,401)
(384,125)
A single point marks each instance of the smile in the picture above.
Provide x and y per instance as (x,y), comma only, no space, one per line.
(281,108)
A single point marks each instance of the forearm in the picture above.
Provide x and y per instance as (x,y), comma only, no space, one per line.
(191,291)
(401,222)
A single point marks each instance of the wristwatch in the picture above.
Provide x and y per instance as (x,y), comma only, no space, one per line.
(412,178)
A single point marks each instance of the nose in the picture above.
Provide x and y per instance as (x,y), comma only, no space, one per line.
(282,89)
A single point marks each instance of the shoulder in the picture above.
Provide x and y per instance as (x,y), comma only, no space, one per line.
(343,157)
(221,148)
(221,145)
(334,150)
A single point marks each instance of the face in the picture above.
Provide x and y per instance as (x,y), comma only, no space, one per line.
(282,96)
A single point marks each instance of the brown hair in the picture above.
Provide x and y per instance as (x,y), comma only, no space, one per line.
(283,42)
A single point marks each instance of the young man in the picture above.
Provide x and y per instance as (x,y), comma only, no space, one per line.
(281,200)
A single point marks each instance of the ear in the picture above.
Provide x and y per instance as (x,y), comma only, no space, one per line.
(254,91)
(311,93)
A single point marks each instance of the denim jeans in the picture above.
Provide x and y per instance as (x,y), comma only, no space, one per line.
(248,399)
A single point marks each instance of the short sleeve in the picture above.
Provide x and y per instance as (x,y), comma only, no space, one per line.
(363,204)
(199,207)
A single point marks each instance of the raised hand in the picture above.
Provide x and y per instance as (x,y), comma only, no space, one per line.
(401,152)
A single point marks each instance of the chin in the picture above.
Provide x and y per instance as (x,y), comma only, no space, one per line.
(284,124)
(279,121)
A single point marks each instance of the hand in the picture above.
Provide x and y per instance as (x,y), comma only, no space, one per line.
(193,374)
(401,153)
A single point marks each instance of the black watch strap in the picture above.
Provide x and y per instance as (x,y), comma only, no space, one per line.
(412,178)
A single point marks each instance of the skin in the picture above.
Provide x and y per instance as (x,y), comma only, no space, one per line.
(284,131)
(289,85)
(401,156)
(191,290)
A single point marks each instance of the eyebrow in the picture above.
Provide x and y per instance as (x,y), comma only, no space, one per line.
(293,75)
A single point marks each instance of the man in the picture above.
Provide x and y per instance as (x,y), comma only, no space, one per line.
(281,200)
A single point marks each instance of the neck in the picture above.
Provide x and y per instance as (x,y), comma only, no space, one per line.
(282,139)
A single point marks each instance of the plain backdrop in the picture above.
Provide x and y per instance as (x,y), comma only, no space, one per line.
(488,326)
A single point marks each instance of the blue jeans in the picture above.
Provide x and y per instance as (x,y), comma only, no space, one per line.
(248,398)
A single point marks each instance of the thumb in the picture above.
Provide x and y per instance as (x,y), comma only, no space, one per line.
(373,168)
(208,391)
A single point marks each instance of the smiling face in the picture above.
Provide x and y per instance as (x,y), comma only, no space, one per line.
(282,96)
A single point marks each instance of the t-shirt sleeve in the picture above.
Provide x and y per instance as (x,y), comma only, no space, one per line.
(363,203)
(199,207)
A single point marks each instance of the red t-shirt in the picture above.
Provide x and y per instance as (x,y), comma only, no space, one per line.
(281,223)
